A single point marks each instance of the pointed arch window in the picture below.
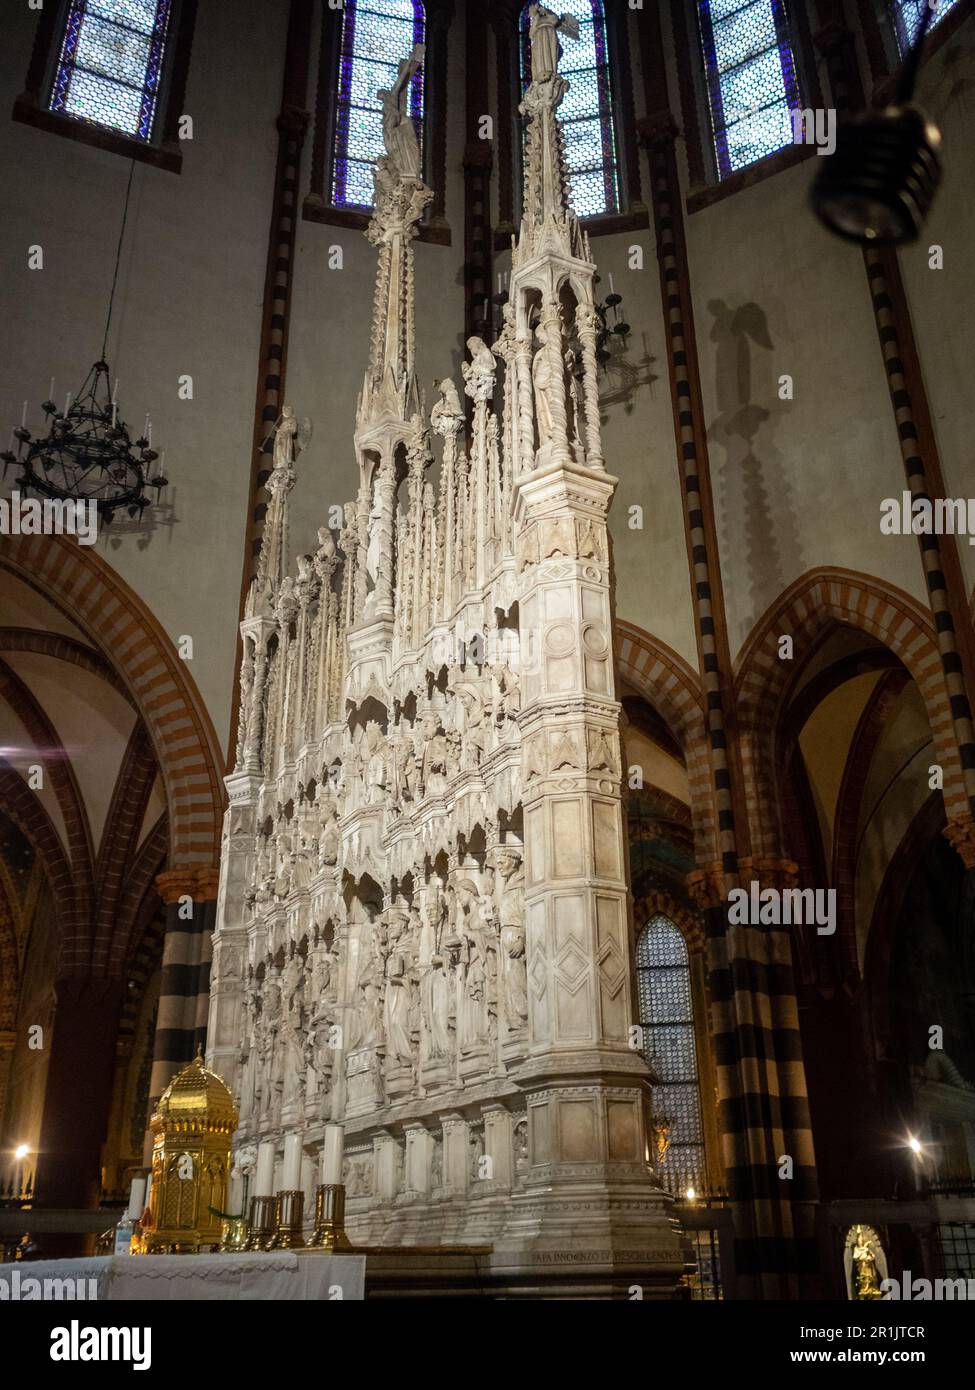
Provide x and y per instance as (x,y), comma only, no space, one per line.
(376,35)
(907,19)
(110,64)
(587,113)
(752,84)
(667,1017)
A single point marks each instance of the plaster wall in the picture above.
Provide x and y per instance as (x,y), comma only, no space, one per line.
(189,301)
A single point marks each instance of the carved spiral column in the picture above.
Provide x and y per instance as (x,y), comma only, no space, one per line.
(255,719)
(526,417)
(551,324)
(360,587)
(586,319)
(387,499)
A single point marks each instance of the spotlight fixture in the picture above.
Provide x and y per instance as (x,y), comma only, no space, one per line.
(690,1194)
(915,1145)
(21,1151)
(879,183)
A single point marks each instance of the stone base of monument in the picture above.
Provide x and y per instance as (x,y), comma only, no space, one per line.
(592,1244)
(563,1273)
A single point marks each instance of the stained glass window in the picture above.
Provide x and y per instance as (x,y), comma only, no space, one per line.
(667,1017)
(907,19)
(110,64)
(749,61)
(376,35)
(587,111)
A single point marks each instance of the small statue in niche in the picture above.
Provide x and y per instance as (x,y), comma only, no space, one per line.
(474,1022)
(404,769)
(305,862)
(508,699)
(546,382)
(434,767)
(436,1166)
(367,1019)
(521,1147)
(866,1276)
(328,842)
(577,409)
(475,1149)
(398,1006)
(472,732)
(376,762)
(511,894)
(285,869)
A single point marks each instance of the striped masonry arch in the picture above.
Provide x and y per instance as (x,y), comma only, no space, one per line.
(130,639)
(672,688)
(818,599)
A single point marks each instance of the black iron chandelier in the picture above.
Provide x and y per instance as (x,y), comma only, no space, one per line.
(612,330)
(611,333)
(88,453)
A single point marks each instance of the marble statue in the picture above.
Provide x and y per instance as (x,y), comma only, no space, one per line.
(543,30)
(399,133)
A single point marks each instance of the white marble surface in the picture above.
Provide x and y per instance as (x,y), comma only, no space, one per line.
(162,1278)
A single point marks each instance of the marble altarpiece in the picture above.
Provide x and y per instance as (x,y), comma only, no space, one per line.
(423,930)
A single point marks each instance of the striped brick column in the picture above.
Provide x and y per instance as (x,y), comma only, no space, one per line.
(943,574)
(478,159)
(190,896)
(763,1111)
(944,604)
(659,136)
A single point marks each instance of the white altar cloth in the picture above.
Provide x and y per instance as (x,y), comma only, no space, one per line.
(198,1278)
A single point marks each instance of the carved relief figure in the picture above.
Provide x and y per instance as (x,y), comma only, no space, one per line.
(398,1006)
(511,911)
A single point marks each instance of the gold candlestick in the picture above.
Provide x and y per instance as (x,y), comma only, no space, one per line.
(329,1233)
(288,1214)
(261,1222)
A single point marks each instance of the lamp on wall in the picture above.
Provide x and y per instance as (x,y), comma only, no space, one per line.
(879,183)
(89,454)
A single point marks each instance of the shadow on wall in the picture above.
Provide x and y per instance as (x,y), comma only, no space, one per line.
(623,378)
(756,500)
(160,517)
(953,84)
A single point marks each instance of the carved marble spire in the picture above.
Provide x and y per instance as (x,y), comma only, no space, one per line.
(546,191)
(400,199)
(290,437)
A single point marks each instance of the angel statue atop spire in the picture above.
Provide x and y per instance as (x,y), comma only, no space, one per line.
(399,133)
(290,438)
(544,28)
